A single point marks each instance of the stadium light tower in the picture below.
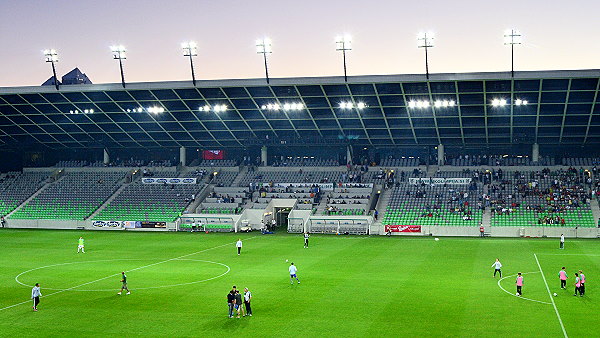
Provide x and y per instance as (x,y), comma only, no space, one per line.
(52,57)
(263,46)
(190,49)
(119,54)
(425,40)
(512,37)
(344,43)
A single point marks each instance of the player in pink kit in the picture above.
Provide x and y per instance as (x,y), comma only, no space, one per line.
(562,274)
(577,284)
(582,282)
(519,283)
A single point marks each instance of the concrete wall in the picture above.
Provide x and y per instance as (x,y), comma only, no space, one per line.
(495,231)
(68,224)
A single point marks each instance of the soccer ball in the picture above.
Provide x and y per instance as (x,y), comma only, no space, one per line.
(555,294)
(437,239)
(517,294)
(286,260)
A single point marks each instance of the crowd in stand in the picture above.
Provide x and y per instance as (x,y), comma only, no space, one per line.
(226,198)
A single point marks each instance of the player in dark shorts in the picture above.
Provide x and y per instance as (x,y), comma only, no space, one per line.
(238,303)
(124,286)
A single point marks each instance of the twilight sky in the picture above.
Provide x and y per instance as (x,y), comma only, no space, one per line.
(557,35)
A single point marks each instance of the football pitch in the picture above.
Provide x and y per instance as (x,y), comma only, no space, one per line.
(350,286)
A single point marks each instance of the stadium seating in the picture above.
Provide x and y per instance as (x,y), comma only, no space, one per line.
(439,205)
(306,162)
(580,162)
(16,187)
(217,163)
(400,162)
(150,202)
(541,199)
(73,197)
(498,160)
(304,176)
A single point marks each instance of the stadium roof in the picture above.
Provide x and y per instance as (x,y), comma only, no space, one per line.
(472,109)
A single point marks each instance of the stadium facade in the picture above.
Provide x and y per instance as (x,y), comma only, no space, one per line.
(481,111)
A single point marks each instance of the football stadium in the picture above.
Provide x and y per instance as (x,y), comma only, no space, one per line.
(418,204)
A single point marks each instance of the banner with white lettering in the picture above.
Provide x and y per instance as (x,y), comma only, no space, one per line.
(174,180)
(108,225)
(439,180)
(402,228)
(323,186)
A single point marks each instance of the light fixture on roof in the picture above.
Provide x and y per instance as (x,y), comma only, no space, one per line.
(205,108)
(344,43)
(350,105)
(264,47)
(520,102)
(190,49)
(156,110)
(119,53)
(498,102)
(425,41)
(51,56)
(421,104)
(444,103)
(512,37)
(219,108)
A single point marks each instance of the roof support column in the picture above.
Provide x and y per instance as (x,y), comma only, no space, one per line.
(440,149)
(263,156)
(182,156)
(349,154)
(535,153)
(106,159)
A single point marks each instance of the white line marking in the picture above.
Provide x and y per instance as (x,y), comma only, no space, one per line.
(521,297)
(580,254)
(141,267)
(551,298)
(126,259)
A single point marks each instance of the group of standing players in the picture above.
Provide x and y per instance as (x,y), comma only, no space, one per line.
(562,275)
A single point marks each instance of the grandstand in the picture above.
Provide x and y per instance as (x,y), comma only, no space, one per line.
(329,166)
(75,196)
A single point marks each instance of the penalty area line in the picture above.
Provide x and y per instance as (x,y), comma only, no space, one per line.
(562,326)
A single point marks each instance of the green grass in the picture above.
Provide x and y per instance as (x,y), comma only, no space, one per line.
(351,286)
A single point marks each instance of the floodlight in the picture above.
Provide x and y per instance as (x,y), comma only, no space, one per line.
(512,37)
(264,47)
(190,49)
(425,41)
(52,57)
(119,53)
(343,43)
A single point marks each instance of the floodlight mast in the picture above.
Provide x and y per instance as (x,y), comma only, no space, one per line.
(119,54)
(344,43)
(190,49)
(52,57)
(512,37)
(263,46)
(425,41)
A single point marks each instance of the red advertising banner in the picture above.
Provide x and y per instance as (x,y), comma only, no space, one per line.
(213,155)
(402,228)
